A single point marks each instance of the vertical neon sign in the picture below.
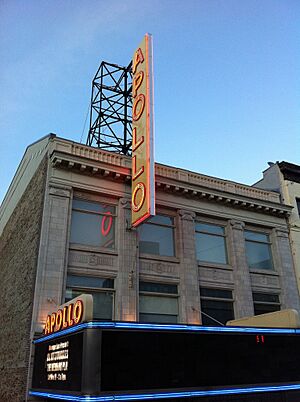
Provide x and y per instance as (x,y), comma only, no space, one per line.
(143,184)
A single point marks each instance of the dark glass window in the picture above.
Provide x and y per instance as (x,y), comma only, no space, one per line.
(99,288)
(265,303)
(158,287)
(210,243)
(258,250)
(158,302)
(298,205)
(156,236)
(216,306)
(93,224)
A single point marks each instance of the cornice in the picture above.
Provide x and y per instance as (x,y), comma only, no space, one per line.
(290,171)
(228,199)
(92,161)
(216,183)
(103,168)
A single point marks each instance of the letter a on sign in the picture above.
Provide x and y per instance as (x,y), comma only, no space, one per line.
(143,185)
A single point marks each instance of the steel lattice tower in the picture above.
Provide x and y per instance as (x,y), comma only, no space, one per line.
(111,108)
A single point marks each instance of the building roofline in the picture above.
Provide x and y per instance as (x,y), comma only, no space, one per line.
(162,165)
(290,171)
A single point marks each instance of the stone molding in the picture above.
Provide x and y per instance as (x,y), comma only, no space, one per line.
(158,268)
(236,201)
(215,275)
(89,259)
(60,191)
(92,161)
(265,281)
(237,225)
(216,183)
(187,215)
(91,153)
(282,232)
(125,203)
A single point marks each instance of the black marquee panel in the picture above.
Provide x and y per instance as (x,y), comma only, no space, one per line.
(126,361)
(174,360)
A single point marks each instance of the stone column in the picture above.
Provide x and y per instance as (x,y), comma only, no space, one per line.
(243,306)
(189,281)
(127,279)
(283,261)
(53,253)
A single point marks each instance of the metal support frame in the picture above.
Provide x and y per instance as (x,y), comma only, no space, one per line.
(111,109)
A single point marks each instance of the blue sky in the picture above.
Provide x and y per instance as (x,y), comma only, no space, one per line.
(227,74)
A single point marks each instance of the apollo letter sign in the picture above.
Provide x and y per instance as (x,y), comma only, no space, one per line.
(75,311)
(143,185)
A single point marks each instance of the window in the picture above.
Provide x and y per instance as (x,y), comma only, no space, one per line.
(210,243)
(99,288)
(157,236)
(258,250)
(216,306)
(265,303)
(93,224)
(158,302)
(298,205)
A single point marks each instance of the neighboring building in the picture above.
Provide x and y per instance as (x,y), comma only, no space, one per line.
(216,250)
(284,177)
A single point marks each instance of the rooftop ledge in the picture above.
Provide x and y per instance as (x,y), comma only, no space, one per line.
(90,160)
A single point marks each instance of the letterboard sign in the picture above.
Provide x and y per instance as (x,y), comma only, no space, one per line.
(58,363)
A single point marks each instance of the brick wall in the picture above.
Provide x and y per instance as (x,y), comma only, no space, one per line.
(19,245)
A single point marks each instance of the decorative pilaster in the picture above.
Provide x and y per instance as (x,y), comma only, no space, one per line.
(241,274)
(189,281)
(53,253)
(283,261)
(127,278)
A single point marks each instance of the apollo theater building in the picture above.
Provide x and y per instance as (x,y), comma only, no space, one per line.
(118,276)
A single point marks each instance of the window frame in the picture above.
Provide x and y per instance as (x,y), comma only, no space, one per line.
(217,299)
(222,225)
(172,226)
(95,200)
(266,303)
(85,289)
(298,206)
(159,294)
(269,242)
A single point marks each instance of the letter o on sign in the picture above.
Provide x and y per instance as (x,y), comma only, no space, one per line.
(136,114)
(78,311)
(139,187)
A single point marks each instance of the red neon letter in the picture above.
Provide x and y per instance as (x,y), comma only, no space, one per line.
(136,207)
(137,114)
(70,311)
(47,325)
(135,143)
(78,311)
(104,230)
(52,324)
(135,173)
(58,321)
(65,323)
(138,58)
(137,81)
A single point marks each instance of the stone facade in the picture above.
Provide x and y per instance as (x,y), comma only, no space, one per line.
(79,172)
(284,177)
(19,246)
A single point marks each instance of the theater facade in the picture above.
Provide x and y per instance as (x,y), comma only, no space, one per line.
(216,250)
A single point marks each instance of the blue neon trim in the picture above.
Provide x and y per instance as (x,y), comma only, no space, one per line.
(163,395)
(162,327)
